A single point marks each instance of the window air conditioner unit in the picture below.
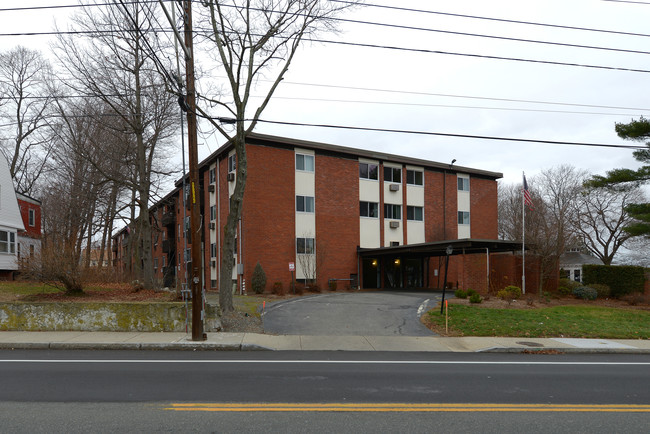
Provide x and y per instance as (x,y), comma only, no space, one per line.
(394,225)
(213,225)
(213,263)
(394,187)
(211,188)
(231,176)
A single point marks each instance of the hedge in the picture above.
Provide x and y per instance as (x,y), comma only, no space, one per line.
(622,279)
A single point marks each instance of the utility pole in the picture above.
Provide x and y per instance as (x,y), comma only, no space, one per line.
(195,275)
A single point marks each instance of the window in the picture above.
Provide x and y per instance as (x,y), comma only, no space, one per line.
(304,246)
(305,204)
(213,213)
(232,163)
(188,255)
(212,174)
(155,264)
(463,217)
(414,177)
(392,211)
(213,283)
(213,250)
(369,209)
(7,242)
(368,171)
(463,184)
(305,162)
(164,264)
(414,213)
(392,174)
(32,217)
(576,275)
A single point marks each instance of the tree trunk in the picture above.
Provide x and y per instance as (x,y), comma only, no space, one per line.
(230,230)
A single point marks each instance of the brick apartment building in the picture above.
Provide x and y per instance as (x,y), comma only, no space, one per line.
(367,219)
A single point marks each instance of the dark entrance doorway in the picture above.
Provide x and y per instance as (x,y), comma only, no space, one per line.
(371,273)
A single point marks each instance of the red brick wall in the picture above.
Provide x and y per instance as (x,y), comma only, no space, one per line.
(483,206)
(434,203)
(337,218)
(268,217)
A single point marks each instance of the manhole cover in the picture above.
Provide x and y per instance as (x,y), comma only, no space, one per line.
(530,344)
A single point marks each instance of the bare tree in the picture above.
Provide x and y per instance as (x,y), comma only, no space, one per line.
(251,38)
(560,187)
(25,95)
(116,65)
(601,219)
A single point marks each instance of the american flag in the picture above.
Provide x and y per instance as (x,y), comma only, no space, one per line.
(528,200)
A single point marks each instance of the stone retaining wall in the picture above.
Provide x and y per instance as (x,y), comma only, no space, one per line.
(123,317)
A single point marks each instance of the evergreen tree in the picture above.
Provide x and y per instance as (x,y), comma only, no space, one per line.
(638,131)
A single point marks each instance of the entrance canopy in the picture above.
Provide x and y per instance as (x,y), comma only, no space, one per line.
(439,248)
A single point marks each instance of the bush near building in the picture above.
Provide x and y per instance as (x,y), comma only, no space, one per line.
(621,279)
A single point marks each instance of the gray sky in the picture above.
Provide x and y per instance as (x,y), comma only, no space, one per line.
(418,81)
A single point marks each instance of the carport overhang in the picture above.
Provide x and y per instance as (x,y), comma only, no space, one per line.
(439,248)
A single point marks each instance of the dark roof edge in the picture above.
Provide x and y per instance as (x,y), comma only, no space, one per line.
(367,154)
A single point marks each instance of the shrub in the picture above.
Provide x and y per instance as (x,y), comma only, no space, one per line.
(278,289)
(515,291)
(509,293)
(258,280)
(471,292)
(622,279)
(503,294)
(634,299)
(585,293)
(459,293)
(568,283)
(603,290)
(564,290)
(475,298)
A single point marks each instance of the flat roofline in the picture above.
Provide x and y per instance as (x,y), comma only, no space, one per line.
(355,152)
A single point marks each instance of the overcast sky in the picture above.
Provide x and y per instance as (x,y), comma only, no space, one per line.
(462,93)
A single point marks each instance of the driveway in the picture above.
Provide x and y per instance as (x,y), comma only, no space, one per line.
(381,313)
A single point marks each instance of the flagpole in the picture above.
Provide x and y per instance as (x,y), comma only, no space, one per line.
(523,234)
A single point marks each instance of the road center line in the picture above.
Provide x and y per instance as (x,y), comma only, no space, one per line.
(404,407)
(326,362)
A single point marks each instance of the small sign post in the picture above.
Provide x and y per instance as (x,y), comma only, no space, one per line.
(292,268)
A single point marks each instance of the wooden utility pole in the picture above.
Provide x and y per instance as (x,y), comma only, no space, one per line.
(194,272)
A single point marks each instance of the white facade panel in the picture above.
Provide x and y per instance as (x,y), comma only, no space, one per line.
(369,233)
(305,185)
(414,232)
(464,230)
(369,190)
(414,195)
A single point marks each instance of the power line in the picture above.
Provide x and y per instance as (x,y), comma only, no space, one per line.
(464,96)
(502,20)
(226,120)
(480,56)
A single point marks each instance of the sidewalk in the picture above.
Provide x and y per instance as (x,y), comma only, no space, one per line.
(253,341)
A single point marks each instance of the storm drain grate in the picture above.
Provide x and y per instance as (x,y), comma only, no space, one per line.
(530,344)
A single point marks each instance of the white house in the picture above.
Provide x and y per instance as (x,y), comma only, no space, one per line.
(10,222)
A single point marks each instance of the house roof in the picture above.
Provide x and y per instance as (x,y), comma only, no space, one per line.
(578,258)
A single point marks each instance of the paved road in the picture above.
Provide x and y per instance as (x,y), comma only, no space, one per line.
(385,313)
(105,391)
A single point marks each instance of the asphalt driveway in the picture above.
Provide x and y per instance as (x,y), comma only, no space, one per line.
(381,313)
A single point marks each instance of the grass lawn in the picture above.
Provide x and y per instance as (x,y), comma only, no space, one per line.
(558,321)
(25,288)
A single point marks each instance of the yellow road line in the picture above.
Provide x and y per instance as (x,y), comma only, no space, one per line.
(404,407)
